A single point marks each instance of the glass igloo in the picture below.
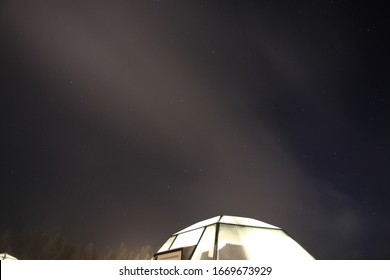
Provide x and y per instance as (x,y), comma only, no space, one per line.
(231,238)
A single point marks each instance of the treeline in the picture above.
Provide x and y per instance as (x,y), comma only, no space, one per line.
(39,246)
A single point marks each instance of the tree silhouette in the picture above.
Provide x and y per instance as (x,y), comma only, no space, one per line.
(39,246)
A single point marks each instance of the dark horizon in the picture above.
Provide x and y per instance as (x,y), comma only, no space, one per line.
(126,121)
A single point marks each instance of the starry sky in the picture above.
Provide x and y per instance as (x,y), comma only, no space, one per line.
(126,121)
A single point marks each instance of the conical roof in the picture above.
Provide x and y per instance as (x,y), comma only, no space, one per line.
(231,238)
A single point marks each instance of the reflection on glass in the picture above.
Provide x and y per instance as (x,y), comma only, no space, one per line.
(186,239)
(205,248)
(241,242)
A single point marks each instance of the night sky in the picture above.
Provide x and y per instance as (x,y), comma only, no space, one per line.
(126,121)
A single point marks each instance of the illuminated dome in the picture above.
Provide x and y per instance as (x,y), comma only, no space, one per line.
(231,238)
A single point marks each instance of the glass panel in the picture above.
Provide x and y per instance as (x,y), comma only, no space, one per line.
(205,248)
(189,238)
(245,222)
(167,244)
(240,242)
(200,224)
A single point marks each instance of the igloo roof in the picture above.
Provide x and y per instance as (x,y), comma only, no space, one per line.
(231,238)
(231,220)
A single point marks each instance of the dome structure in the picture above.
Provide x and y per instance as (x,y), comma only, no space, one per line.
(231,238)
